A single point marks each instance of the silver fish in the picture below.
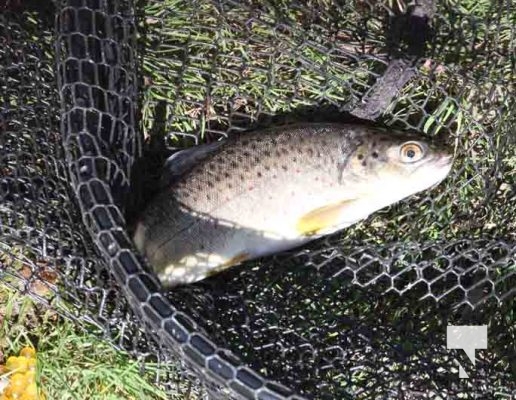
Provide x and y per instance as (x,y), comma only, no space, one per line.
(267,191)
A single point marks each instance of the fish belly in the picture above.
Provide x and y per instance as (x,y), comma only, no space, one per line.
(243,229)
(230,250)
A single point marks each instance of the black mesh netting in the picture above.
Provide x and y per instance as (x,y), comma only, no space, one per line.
(88,86)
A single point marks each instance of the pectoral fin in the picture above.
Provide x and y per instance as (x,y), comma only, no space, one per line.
(322,218)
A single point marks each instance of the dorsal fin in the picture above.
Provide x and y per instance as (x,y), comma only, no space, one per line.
(182,161)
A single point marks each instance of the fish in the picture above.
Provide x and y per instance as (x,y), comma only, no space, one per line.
(266,191)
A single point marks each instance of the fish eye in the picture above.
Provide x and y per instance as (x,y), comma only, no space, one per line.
(411,152)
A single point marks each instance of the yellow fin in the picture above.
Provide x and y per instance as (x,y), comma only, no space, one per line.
(239,258)
(321,218)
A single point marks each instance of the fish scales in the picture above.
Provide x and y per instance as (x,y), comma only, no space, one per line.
(271,190)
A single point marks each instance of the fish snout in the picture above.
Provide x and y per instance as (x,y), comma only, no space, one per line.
(445,160)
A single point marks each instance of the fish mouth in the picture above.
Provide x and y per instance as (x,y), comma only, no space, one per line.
(440,163)
(443,167)
(445,161)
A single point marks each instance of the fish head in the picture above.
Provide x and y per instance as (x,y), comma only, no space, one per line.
(395,165)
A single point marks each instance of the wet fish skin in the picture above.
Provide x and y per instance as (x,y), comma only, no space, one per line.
(263,192)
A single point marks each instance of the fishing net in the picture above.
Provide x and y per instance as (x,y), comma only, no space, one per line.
(95,94)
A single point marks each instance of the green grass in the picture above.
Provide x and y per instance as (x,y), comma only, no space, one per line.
(74,364)
(231,66)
